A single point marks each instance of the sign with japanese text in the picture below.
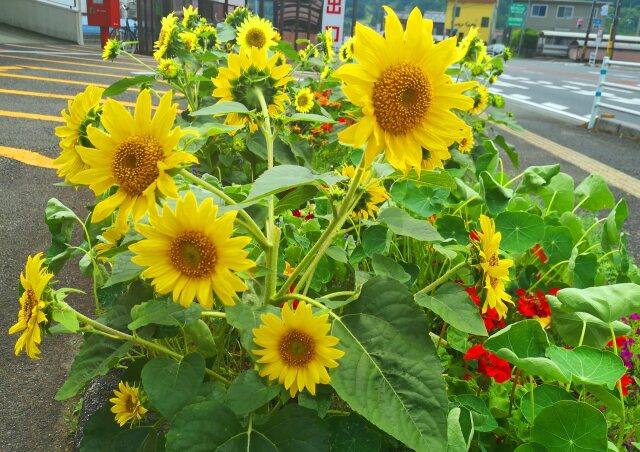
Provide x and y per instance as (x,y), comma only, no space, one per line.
(333,18)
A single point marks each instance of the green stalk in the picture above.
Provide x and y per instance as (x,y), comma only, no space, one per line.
(94,265)
(552,269)
(533,406)
(443,278)
(311,301)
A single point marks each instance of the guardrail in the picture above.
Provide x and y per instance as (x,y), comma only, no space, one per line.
(597,100)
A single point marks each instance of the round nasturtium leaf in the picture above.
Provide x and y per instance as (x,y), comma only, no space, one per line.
(568,426)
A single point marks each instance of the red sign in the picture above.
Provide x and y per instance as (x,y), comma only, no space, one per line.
(334,7)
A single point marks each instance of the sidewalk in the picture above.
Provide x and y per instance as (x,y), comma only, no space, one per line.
(13,35)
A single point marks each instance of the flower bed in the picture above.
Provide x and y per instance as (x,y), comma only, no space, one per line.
(335,261)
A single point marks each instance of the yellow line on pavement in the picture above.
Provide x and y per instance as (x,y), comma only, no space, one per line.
(23,115)
(122,64)
(612,176)
(28,157)
(67,82)
(71,71)
(53,96)
(9,68)
(72,63)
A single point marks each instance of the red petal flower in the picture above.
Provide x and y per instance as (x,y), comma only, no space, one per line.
(539,253)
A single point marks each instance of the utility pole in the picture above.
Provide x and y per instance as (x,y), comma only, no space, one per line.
(524,26)
(453,16)
(589,24)
(612,32)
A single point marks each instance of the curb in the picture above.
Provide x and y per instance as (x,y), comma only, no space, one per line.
(619,128)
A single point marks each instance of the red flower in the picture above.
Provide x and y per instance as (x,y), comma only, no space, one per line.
(345,121)
(296,213)
(491,318)
(295,302)
(626,381)
(473,236)
(539,253)
(620,340)
(299,214)
(532,305)
(309,216)
(489,364)
(327,127)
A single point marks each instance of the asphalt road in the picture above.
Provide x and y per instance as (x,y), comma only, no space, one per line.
(568,87)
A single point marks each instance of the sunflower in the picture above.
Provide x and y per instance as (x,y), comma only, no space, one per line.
(296,349)
(256,32)
(432,159)
(84,110)
(188,14)
(111,50)
(246,72)
(166,35)
(191,253)
(238,16)
(496,296)
(466,42)
(346,50)
(491,263)
(374,195)
(465,144)
(34,281)
(110,238)
(480,100)
(325,39)
(304,100)
(168,69)
(134,154)
(190,40)
(126,404)
(405,95)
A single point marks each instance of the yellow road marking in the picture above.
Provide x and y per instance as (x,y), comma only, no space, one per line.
(71,71)
(9,68)
(96,59)
(53,96)
(612,176)
(23,115)
(67,82)
(73,63)
(28,157)
(133,66)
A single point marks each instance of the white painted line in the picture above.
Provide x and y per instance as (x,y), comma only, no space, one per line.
(40,52)
(580,119)
(495,90)
(590,85)
(519,97)
(632,101)
(555,106)
(625,91)
(555,87)
(584,92)
(570,87)
(509,85)
(544,82)
(531,82)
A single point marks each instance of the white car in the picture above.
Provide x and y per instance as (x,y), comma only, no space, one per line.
(495,49)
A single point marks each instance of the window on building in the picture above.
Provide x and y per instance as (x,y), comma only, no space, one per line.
(484,23)
(538,10)
(565,12)
(457,11)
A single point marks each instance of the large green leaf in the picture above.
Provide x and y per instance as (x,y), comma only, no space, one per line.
(163,312)
(495,195)
(124,269)
(543,396)
(124,84)
(483,420)
(353,434)
(249,392)
(171,385)
(386,266)
(375,240)
(97,355)
(607,303)
(60,221)
(101,433)
(284,177)
(245,318)
(613,224)
(296,429)
(535,177)
(568,426)
(453,305)
(520,230)
(524,344)
(390,373)
(296,199)
(588,365)
(558,195)
(221,108)
(455,439)
(401,223)
(593,194)
(423,200)
(557,243)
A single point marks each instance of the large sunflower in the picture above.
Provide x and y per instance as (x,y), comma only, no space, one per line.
(256,32)
(84,110)
(491,263)
(405,95)
(134,154)
(189,251)
(296,349)
(126,404)
(374,195)
(247,72)
(34,281)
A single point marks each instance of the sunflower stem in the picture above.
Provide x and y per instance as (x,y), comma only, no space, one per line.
(443,278)
(249,224)
(94,264)
(214,314)
(311,301)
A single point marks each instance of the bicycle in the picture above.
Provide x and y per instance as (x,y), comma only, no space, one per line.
(127,35)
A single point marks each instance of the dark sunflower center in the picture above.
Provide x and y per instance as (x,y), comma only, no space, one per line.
(303,100)
(193,254)
(297,348)
(135,163)
(494,282)
(463,142)
(363,202)
(244,87)
(30,302)
(401,98)
(426,154)
(256,38)
(494,260)
(131,404)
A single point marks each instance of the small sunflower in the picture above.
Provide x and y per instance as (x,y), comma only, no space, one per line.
(167,33)
(465,145)
(496,296)
(110,238)
(466,43)
(246,72)
(126,404)
(84,110)
(168,69)
(432,159)
(400,82)
(480,100)
(111,50)
(190,40)
(207,35)
(489,248)
(374,195)
(304,100)
(134,154)
(238,16)
(256,32)
(346,50)
(296,349)
(325,39)
(189,16)
(189,251)
(34,281)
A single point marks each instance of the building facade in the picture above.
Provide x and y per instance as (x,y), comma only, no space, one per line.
(557,15)
(471,13)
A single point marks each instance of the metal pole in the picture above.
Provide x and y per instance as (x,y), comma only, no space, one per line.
(524,24)
(494,18)
(354,17)
(598,96)
(586,38)
(612,33)
(453,16)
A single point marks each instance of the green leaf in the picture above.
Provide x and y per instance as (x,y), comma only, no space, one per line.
(385,266)
(558,195)
(557,243)
(568,426)
(353,434)
(520,230)
(284,177)
(124,269)
(97,355)
(524,344)
(210,129)
(295,199)
(582,267)
(310,117)
(483,420)
(101,433)
(609,398)
(200,338)
(593,194)
(163,312)
(613,224)
(225,32)
(494,194)
(194,429)
(543,396)
(337,254)
(571,221)
(124,84)
(282,152)
(170,385)
(390,373)
(221,108)
(296,429)
(287,49)
(245,318)
(530,447)
(588,365)
(607,303)
(375,240)
(66,317)
(453,305)
(60,221)
(535,177)
(510,150)
(458,340)
(401,223)
(455,439)
(422,200)
(453,227)
(249,392)
(440,179)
